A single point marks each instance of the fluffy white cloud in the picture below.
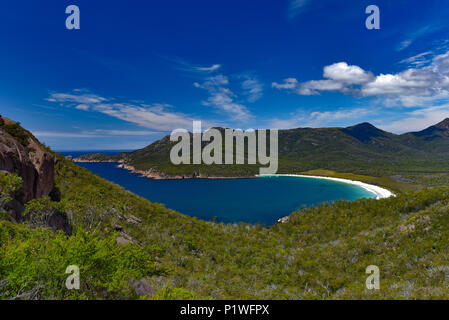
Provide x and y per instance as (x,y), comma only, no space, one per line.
(339,77)
(401,83)
(414,86)
(313,87)
(410,87)
(342,72)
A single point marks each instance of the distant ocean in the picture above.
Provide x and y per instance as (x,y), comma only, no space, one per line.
(261,200)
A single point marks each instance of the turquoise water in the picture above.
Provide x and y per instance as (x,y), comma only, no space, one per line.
(260,200)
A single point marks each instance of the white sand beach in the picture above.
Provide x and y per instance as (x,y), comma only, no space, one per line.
(381,193)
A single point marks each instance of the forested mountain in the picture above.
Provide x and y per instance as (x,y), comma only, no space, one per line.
(361,148)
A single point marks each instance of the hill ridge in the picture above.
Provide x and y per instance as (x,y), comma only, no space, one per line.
(361,148)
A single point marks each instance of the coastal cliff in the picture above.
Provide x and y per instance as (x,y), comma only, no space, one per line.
(22,154)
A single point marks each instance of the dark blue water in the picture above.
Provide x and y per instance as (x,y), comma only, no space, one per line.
(78,153)
(262,200)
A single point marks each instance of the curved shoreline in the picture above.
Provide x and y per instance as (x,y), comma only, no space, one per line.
(381,193)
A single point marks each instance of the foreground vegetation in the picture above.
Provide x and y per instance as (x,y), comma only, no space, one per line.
(321,253)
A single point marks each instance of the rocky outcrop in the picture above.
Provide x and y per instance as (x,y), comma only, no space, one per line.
(60,221)
(143,288)
(284,219)
(158,175)
(22,154)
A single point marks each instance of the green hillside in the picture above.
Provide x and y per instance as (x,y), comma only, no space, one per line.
(321,253)
(362,149)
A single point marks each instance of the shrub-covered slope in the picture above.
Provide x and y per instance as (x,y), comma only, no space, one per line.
(120,240)
(320,253)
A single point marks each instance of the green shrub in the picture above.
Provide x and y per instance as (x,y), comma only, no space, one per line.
(17,132)
(9,183)
(37,258)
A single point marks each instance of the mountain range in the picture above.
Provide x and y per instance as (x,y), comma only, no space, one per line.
(362,148)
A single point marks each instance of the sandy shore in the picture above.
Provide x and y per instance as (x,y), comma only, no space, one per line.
(380,193)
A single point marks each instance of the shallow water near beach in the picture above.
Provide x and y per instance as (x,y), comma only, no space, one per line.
(259,200)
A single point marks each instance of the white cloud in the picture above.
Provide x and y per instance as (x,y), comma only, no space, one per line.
(418,60)
(124,132)
(212,83)
(313,87)
(188,67)
(330,116)
(417,34)
(99,133)
(340,77)
(77,97)
(289,83)
(417,120)
(414,86)
(253,89)
(410,87)
(342,72)
(339,117)
(60,134)
(83,107)
(212,68)
(222,98)
(404,44)
(401,83)
(156,116)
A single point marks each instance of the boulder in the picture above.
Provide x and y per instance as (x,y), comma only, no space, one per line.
(125,238)
(117,227)
(133,219)
(143,288)
(121,240)
(60,221)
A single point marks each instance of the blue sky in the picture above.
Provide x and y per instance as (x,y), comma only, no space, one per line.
(137,70)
